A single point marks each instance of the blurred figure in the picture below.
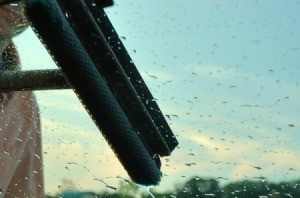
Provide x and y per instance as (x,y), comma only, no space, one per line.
(21,172)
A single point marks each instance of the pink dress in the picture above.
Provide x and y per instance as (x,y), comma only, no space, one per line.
(21,169)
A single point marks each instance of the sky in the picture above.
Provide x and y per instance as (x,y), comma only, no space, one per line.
(226,71)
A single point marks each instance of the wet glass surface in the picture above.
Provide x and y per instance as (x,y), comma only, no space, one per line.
(226,77)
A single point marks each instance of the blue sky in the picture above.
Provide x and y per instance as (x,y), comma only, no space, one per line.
(229,71)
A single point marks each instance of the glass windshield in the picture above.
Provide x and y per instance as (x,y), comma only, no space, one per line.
(226,77)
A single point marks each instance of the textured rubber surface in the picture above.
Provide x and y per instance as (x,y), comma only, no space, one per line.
(125,82)
(55,32)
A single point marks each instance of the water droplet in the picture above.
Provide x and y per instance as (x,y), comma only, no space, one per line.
(209,195)
(6,153)
(106,185)
(37,156)
(190,164)
(288,195)
(111,187)
(147,189)
(14,4)
(19,140)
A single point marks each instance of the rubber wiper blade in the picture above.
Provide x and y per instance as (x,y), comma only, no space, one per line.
(90,54)
(99,37)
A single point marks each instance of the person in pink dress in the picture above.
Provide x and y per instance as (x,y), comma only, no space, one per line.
(21,169)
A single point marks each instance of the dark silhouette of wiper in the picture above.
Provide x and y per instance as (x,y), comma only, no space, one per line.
(95,64)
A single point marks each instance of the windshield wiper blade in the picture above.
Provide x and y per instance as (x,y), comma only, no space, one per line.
(91,56)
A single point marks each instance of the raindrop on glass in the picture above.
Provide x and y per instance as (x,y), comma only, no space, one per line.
(6,153)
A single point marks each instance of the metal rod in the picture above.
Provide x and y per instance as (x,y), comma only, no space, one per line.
(18,80)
